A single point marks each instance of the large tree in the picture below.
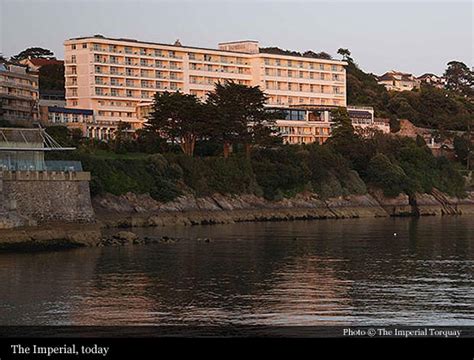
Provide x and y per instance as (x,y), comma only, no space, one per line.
(180,118)
(239,116)
(51,77)
(459,78)
(346,54)
(33,53)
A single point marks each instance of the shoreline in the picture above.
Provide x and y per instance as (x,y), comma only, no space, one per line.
(131,211)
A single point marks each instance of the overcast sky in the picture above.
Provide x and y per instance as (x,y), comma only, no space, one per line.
(415,37)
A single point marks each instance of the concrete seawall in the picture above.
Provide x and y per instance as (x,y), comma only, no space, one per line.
(45,196)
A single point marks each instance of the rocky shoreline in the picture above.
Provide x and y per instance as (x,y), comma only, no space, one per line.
(134,210)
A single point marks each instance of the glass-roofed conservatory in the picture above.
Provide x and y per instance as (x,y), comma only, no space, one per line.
(23,149)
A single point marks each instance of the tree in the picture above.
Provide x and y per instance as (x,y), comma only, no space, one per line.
(315,55)
(459,78)
(386,175)
(239,115)
(346,54)
(51,77)
(342,129)
(180,118)
(33,53)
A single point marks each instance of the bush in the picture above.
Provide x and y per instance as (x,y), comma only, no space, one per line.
(386,175)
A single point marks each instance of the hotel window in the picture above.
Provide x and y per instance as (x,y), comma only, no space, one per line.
(143,62)
(323,76)
(128,61)
(171,54)
(75,118)
(98,69)
(267,72)
(73,58)
(311,66)
(114,59)
(97,47)
(142,51)
(129,93)
(114,70)
(158,53)
(128,50)
(114,92)
(73,46)
(334,68)
(129,72)
(158,85)
(290,63)
(300,64)
(301,74)
(207,57)
(129,83)
(98,91)
(84,46)
(321,66)
(290,73)
(173,86)
(301,87)
(267,62)
(311,75)
(277,61)
(112,48)
(192,56)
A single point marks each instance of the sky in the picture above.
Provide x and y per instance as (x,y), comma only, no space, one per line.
(415,37)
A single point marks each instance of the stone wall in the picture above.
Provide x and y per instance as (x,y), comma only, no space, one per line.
(49,196)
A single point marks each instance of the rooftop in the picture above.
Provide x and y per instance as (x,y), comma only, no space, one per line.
(101,37)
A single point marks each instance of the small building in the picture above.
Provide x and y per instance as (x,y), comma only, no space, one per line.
(82,119)
(398,81)
(433,80)
(18,94)
(35,64)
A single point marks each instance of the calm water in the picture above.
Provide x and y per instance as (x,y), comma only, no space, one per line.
(293,273)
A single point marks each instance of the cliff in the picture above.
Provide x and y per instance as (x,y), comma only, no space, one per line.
(131,210)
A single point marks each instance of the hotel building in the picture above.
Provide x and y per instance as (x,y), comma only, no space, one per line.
(117,78)
(18,94)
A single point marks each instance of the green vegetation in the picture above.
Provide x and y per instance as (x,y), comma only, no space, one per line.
(442,109)
(346,164)
(232,114)
(308,53)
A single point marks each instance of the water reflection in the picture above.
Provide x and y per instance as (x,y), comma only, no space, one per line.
(289,273)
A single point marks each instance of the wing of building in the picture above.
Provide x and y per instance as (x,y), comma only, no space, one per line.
(114,77)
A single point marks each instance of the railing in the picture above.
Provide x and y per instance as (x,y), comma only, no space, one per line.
(50,165)
(59,165)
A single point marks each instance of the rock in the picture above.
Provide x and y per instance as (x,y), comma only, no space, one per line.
(168,240)
(125,237)
(85,238)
